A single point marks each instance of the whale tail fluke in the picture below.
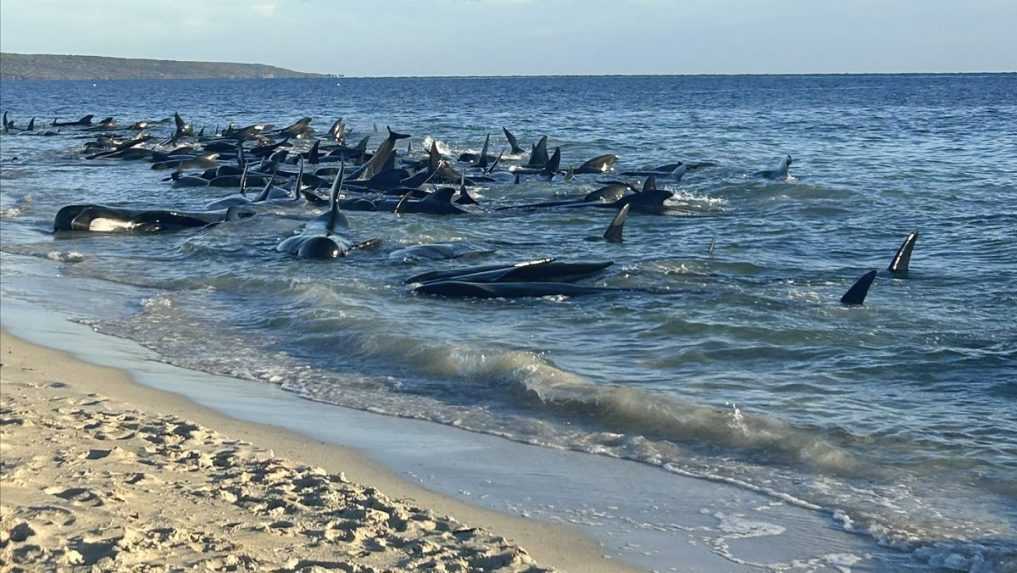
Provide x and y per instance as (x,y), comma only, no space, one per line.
(901,260)
(855,296)
(396,135)
(613,234)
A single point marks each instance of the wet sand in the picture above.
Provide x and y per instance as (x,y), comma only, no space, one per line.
(99,470)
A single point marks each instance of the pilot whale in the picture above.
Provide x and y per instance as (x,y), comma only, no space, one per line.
(327,236)
(102,219)
(782,172)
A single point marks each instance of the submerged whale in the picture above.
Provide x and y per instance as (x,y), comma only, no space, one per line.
(540,270)
(782,172)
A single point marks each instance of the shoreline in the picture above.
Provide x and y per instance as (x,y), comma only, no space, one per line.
(27,365)
(671,522)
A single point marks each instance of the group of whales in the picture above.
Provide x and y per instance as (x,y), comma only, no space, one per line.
(289,165)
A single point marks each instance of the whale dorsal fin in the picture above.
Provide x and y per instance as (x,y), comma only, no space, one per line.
(497,160)
(650,184)
(401,203)
(298,182)
(482,162)
(553,164)
(313,155)
(902,259)
(243,182)
(613,234)
(268,187)
(434,156)
(855,296)
(513,143)
(335,217)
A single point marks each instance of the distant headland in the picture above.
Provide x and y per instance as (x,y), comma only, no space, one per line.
(67,67)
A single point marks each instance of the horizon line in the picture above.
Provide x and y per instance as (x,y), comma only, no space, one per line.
(335,75)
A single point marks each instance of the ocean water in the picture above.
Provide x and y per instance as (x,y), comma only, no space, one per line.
(898,419)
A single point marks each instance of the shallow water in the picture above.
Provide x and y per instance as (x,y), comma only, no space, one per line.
(896,419)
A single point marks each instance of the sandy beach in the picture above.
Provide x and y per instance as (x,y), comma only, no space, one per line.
(98,471)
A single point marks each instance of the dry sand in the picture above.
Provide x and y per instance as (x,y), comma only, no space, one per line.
(100,473)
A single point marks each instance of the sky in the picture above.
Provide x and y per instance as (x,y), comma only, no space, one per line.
(531,37)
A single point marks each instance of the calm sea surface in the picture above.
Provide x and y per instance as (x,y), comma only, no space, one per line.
(898,418)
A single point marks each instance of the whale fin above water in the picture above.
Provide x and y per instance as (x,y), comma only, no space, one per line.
(497,160)
(513,143)
(482,161)
(538,156)
(901,260)
(855,296)
(336,218)
(613,234)
(599,164)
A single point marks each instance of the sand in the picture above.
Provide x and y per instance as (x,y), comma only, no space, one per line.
(101,474)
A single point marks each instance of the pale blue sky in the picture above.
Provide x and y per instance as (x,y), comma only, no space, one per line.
(496,37)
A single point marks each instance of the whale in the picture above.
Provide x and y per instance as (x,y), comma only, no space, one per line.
(119,149)
(648,200)
(663,171)
(326,236)
(539,270)
(381,159)
(547,172)
(674,171)
(462,289)
(611,192)
(185,162)
(87,120)
(438,251)
(437,203)
(482,159)
(103,219)
(295,129)
(104,125)
(598,165)
(782,172)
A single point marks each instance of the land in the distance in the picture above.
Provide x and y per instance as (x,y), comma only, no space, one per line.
(66,67)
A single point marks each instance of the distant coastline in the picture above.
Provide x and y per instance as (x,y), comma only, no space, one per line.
(69,67)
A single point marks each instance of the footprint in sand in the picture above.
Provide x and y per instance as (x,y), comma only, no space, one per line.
(78,495)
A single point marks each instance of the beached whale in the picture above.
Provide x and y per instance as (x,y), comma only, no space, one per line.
(608,194)
(540,270)
(459,289)
(103,219)
(439,202)
(382,159)
(327,236)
